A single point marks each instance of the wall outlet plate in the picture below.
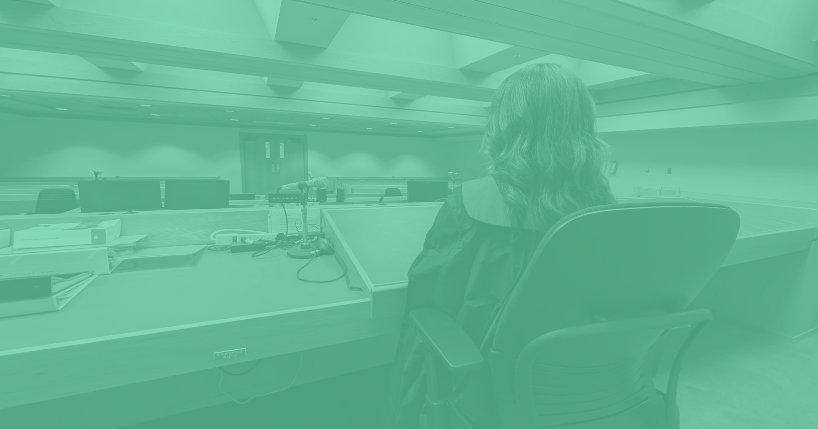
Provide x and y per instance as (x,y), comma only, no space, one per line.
(230,355)
(235,238)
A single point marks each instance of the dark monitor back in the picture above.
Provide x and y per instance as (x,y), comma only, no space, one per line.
(426,191)
(119,195)
(197,194)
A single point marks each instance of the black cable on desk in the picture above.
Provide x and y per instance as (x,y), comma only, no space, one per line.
(314,257)
(240,373)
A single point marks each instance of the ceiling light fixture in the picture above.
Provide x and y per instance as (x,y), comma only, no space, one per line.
(451,127)
(312,125)
(229,111)
(369,128)
(4,95)
(420,131)
(393,123)
(324,118)
(145,105)
(155,114)
(61,108)
(234,120)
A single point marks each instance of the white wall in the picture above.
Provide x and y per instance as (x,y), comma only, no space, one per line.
(771,162)
(69,148)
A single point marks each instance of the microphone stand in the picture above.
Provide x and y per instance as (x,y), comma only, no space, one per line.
(305,251)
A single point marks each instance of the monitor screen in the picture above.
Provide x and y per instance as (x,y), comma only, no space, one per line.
(119,195)
(426,191)
(197,194)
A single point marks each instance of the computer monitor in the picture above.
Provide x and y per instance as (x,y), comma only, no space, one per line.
(197,194)
(119,195)
(426,190)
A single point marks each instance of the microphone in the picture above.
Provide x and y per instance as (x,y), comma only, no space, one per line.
(318,182)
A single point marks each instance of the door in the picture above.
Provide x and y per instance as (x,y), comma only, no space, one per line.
(271,160)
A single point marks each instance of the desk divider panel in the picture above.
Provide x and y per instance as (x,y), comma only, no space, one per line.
(378,246)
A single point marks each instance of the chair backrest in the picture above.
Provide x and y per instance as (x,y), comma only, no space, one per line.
(604,265)
(392,192)
(55,200)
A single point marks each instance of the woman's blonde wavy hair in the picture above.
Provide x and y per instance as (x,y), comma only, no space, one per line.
(545,154)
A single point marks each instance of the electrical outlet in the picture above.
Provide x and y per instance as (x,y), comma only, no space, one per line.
(230,354)
(233,238)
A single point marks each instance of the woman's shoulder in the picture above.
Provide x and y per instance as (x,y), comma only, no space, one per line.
(483,202)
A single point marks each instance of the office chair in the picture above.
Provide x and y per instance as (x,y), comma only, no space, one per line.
(55,200)
(392,192)
(573,337)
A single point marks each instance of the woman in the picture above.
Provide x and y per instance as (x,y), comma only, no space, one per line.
(545,162)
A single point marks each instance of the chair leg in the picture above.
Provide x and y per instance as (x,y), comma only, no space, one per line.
(436,407)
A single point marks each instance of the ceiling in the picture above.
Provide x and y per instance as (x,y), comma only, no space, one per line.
(77,107)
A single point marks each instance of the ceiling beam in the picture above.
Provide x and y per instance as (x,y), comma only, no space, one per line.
(44,2)
(305,24)
(604,31)
(645,89)
(405,96)
(786,89)
(90,35)
(283,83)
(128,66)
(485,56)
(74,32)
(751,113)
(67,78)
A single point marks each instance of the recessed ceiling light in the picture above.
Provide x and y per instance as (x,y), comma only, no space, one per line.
(234,120)
(61,108)
(155,114)
(145,105)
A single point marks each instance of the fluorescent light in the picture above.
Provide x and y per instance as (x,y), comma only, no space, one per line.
(393,123)
(420,131)
(145,105)
(324,118)
(451,127)
(4,95)
(229,111)
(369,128)
(312,125)
(155,114)
(234,120)
(61,108)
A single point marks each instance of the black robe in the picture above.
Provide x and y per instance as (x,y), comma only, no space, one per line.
(471,259)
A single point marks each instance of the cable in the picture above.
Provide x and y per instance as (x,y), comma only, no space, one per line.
(221,378)
(314,257)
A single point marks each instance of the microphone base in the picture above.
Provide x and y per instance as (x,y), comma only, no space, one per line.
(300,253)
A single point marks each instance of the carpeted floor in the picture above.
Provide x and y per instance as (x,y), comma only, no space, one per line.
(735,378)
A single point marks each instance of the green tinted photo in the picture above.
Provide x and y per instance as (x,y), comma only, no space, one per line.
(415,214)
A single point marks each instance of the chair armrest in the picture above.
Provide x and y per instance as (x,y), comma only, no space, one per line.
(445,338)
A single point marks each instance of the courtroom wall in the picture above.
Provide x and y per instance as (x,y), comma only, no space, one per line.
(49,147)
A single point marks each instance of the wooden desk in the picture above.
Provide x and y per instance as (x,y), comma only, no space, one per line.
(140,326)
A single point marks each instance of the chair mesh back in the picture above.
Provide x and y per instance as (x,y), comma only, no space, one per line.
(607,376)
(54,201)
(608,263)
